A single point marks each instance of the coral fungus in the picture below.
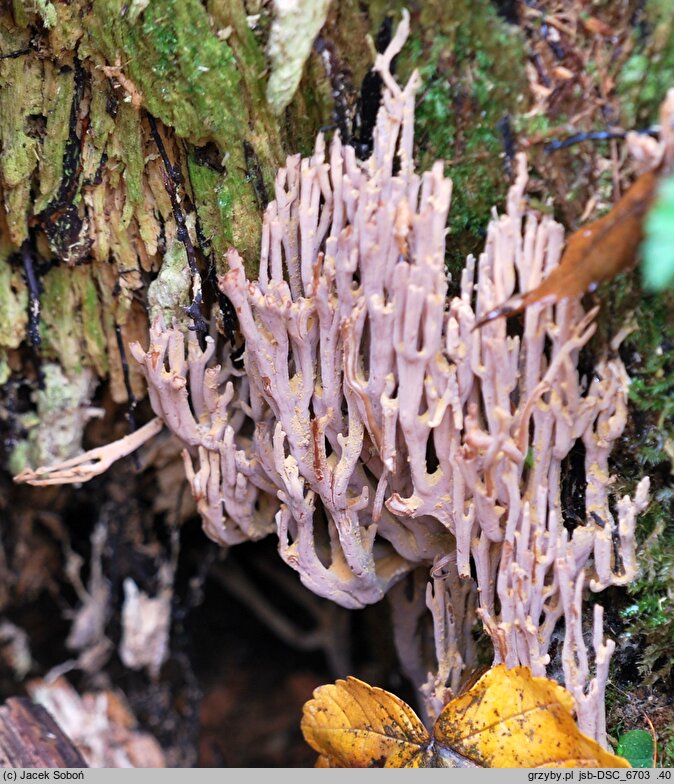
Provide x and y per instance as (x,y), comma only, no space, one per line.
(381,436)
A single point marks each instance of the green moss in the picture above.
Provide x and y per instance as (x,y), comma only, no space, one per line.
(59,328)
(652,387)
(190,79)
(20,100)
(646,76)
(101,126)
(472,67)
(13,306)
(647,448)
(650,613)
(20,13)
(20,456)
(101,123)
(264,131)
(26,11)
(71,327)
(59,88)
(214,203)
(131,152)
(231,15)
(667,746)
(93,336)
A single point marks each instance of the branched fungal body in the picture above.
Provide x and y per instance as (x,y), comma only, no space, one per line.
(386,440)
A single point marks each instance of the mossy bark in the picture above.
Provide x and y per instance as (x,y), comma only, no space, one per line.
(83,182)
(83,191)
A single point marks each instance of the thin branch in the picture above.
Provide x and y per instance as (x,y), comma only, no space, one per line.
(92,463)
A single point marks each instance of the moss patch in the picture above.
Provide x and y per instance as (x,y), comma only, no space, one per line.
(472,67)
(647,448)
(189,78)
(647,74)
(20,100)
(71,324)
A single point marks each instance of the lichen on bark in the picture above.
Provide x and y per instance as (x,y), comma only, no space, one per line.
(81,176)
(62,409)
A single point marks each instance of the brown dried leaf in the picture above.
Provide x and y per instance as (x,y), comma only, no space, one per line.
(593,254)
(597,27)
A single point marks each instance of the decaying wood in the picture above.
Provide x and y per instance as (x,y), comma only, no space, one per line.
(30,738)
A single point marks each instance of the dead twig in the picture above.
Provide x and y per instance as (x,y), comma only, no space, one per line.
(92,463)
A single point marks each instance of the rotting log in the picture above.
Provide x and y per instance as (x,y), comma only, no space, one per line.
(30,738)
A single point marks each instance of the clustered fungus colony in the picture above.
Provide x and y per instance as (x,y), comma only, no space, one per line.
(388,443)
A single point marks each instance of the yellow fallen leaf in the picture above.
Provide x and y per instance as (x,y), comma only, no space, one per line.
(508,719)
(354,725)
(511,719)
